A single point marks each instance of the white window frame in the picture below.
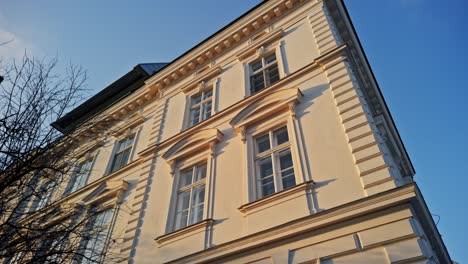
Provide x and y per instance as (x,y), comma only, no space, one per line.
(204,157)
(69,189)
(281,120)
(202,87)
(275,47)
(108,232)
(135,133)
(273,154)
(190,188)
(201,106)
(41,202)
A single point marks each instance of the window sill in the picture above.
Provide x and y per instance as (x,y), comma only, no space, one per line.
(184,232)
(275,199)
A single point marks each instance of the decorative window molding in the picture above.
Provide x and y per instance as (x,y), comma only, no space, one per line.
(285,99)
(124,148)
(98,230)
(191,161)
(259,43)
(265,116)
(267,51)
(203,139)
(203,78)
(81,173)
(129,124)
(201,105)
(109,192)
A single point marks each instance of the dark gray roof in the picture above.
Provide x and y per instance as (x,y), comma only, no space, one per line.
(110,95)
(152,68)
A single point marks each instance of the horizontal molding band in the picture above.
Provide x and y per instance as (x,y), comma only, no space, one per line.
(347,100)
(350,108)
(331,72)
(360,136)
(352,117)
(319,24)
(336,86)
(367,172)
(317,35)
(331,41)
(375,155)
(356,126)
(377,183)
(365,146)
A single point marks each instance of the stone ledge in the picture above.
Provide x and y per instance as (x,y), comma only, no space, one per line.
(184,232)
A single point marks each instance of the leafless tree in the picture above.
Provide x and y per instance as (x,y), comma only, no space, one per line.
(36,162)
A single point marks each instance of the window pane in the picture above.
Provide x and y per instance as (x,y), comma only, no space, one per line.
(256,65)
(196,99)
(263,143)
(270,58)
(201,173)
(287,170)
(198,198)
(288,178)
(183,201)
(206,110)
(120,160)
(194,116)
(81,176)
(272,75)
(265,167)
(181,219)
(267,186)
(185,178)
(285,159)
(281,136)
(208,94)
(257,82)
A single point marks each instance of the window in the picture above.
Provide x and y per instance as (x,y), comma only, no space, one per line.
(95,241)
(190,196)
(122,153)
(43,196)
(80,176)
(264,72)
(273,162)
(200,107)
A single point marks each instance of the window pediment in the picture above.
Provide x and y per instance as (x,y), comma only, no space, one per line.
(284,99)
(202,139)
(107,191)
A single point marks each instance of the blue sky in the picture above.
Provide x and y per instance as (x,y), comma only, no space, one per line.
(417,49)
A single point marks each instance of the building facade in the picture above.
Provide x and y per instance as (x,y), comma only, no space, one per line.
(269,142)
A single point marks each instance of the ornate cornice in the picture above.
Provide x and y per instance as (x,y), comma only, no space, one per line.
(222,42)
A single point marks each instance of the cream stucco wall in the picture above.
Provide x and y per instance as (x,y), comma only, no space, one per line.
(338,155)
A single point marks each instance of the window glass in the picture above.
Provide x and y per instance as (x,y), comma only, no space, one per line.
(263,143)
(80,177)
(200,107)
(191,196)
(274,166)
(287,170)
(122,154)
(281,136)
(264,72)
(98,234)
